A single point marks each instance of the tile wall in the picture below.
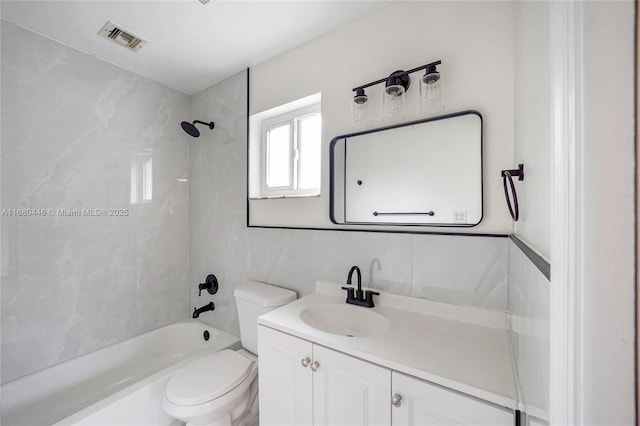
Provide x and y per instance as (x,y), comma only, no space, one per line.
(75,130)
(529,303)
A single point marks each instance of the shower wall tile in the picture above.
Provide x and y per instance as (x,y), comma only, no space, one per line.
(384,259)
(529,304)
(283,257)
(9,293)
(218,200)
(460,269)
(72,128)
(296,258)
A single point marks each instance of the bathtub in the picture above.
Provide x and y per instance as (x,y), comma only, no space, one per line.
(121,384)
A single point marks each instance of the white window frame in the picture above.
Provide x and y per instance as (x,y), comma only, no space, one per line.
(292,118)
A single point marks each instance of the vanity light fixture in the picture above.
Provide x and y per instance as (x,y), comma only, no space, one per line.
(396,85)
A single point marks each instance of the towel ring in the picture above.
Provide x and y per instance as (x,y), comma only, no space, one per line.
(507,175)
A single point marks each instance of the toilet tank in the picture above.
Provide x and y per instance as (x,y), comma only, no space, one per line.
(253,299)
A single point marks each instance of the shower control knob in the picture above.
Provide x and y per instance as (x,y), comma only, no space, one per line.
(315,366)
(210,284)
(396,400)
(306,361)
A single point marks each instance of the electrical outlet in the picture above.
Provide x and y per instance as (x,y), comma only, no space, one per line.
(459,216)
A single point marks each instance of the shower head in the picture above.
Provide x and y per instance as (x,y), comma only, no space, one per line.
(192,130)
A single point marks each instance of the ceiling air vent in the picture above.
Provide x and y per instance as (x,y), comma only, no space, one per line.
(121,36)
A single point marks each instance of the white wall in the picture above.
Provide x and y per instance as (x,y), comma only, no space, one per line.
(70,126)
(532,124)
(606,295)
(474,40)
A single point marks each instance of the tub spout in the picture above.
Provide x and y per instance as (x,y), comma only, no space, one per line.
(205,308)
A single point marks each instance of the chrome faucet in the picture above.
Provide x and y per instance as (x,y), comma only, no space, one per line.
(360,298)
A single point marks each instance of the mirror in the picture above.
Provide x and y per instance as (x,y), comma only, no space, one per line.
(426,172)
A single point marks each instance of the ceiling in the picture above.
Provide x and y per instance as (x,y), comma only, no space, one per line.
(191,45)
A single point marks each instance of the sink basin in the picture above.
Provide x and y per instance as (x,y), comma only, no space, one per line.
(345,320)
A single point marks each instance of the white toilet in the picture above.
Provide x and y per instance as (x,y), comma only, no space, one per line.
(222,388)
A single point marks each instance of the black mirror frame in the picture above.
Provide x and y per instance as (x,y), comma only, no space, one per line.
(332,167)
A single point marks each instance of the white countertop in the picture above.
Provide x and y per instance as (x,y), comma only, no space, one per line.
(459,347)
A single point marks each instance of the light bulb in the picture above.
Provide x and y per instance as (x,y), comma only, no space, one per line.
(394,99)
(431,91)
(359,108)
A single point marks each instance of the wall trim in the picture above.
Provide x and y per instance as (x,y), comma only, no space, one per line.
(384,231)
(565,316)
(542,265)
(248,141)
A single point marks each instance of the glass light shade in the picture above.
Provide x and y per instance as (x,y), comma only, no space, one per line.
(359,109)
(394,100)
(431,92)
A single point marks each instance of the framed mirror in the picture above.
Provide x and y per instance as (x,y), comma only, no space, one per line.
(426,172)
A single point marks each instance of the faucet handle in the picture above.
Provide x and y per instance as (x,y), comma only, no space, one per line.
(210,284)
(350,292)
(369,297)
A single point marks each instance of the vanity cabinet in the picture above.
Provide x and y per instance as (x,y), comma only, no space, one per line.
(306,384)
(417,402)
(349,391)
(302,383)
(285,386)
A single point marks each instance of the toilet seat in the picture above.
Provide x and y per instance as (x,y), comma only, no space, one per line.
(208,378)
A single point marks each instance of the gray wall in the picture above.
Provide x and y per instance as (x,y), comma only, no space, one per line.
(71,125)
(218,197)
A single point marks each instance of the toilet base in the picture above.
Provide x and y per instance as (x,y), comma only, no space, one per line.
(240,416)
(245,413)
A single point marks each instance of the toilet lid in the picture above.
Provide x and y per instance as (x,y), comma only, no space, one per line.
(207,378)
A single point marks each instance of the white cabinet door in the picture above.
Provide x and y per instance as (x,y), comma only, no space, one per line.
(285,384)
(425,404)
(348,391)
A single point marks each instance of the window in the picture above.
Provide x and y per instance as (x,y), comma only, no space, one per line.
(289,143)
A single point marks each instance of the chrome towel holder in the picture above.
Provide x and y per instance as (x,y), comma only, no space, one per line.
(508,175)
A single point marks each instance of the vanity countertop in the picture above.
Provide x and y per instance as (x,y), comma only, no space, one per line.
(459,347)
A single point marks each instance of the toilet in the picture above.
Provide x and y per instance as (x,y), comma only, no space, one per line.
(221,389)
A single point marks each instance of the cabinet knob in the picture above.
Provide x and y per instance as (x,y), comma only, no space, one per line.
(306,361)
(396,400)
(315,366)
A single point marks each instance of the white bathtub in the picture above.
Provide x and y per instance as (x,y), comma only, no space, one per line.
(122,384)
